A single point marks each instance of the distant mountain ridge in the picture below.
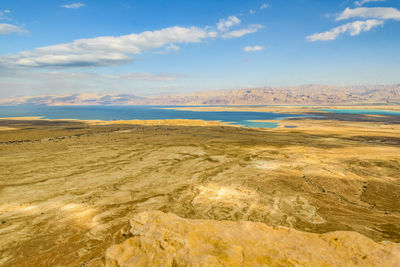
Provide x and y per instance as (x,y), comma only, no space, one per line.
(296,95)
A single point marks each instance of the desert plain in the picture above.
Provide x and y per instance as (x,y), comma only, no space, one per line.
(69,190)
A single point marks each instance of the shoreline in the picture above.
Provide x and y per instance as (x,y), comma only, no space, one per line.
(182,122)
(297,109)
(288,123)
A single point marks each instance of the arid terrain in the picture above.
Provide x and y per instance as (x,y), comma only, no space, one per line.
(289,95)
(68,189)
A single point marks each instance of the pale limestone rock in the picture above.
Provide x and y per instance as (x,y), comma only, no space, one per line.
(164,239)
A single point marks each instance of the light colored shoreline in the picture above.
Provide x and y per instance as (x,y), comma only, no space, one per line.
(181,122)
(284,109)
(21,118)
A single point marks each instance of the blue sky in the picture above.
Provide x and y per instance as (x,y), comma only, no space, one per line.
(151,47)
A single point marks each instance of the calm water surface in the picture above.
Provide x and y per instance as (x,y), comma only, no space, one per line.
(243,118)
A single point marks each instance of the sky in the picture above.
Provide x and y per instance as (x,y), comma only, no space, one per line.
(179,46)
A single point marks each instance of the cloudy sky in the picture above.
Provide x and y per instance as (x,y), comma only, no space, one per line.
(168,46)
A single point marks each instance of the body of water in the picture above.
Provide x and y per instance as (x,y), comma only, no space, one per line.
(107,113)
(363,111)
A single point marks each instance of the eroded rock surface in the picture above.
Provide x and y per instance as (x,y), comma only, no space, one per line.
(67,188)
(164,239)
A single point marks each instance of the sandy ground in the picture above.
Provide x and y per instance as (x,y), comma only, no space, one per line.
(68,188)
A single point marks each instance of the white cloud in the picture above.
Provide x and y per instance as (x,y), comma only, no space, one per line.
(3,14)
(239,33)
(225,24)
(252,12)
(253,48)
(362,2)
(6,28)
(370,12)
(167,49)
(353,28)
(172,47)
(264,6)
(111,50)
(74,5)
(101,51)
(376,16)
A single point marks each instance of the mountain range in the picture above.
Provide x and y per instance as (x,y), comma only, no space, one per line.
(296,95)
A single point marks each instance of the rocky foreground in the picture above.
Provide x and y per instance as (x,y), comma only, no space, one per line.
(164,239)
